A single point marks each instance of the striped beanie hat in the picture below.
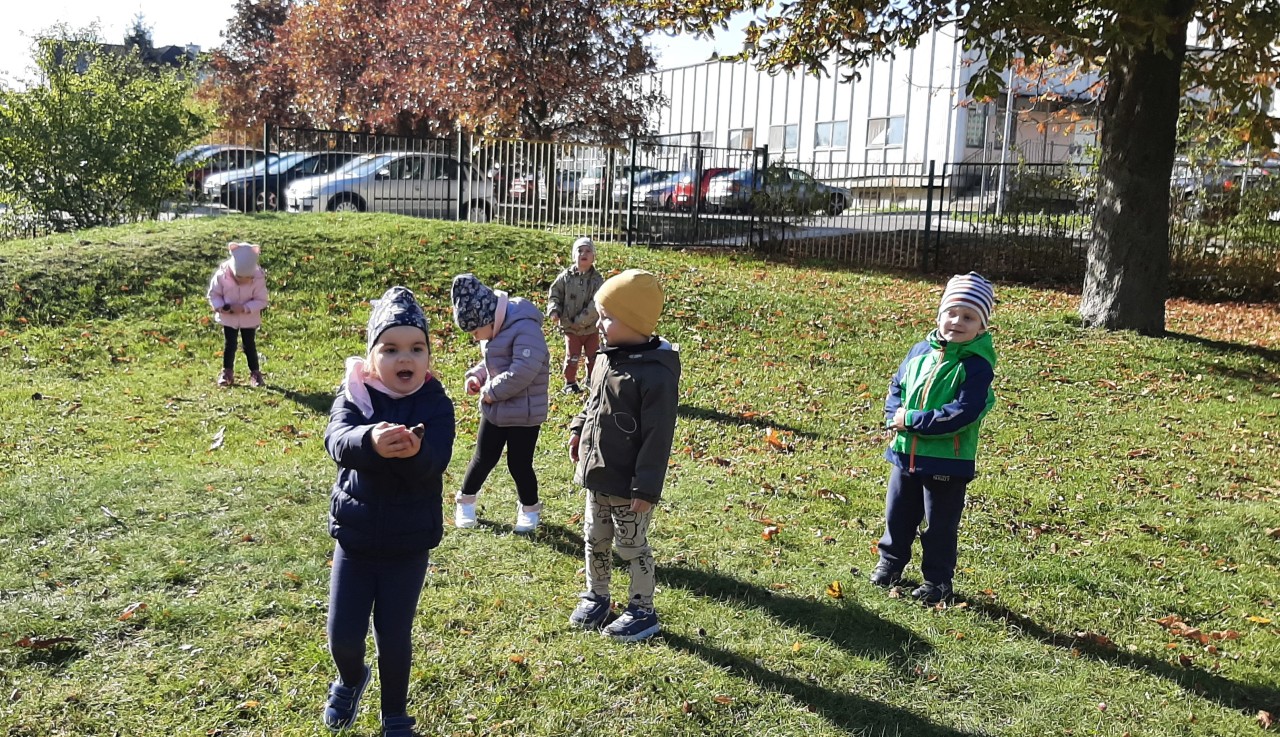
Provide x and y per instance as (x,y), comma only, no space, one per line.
(970,290)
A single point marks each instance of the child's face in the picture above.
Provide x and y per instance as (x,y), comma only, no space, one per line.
(615,333)
(586,259)
(483,333)
(958,324)
(401,358)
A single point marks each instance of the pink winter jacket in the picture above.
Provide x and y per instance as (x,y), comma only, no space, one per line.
(224,291)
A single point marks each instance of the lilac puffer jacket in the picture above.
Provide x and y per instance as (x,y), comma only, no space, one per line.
(515,369)
(224,291)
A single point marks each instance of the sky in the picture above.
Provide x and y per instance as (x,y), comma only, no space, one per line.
(199,23)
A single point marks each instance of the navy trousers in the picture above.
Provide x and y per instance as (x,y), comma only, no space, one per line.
(386,589)
(938,501)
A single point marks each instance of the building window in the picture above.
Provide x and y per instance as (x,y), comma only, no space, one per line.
(975,126)
(784,137)
(831,135)
(742,138)
(885,132)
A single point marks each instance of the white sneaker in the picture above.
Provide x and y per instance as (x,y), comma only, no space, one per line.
(526,519)
(464,515)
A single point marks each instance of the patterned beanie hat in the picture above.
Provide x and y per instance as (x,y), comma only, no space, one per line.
(634,298)
(244,258)
(396,307)
(970,290)
(474,304)
(583,244)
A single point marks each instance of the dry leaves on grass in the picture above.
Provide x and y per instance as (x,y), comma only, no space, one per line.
(1233,322)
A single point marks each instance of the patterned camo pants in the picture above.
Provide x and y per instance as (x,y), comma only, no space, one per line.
(610,525)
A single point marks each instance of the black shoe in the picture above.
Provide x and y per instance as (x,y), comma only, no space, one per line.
(932,593)
(886,575)
(572,388)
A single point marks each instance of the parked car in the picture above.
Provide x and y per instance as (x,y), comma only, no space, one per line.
(262,187)
(597,181)
(637,185)
(529,187)
(206,159)
(687,192)
(420,184)
(778,190)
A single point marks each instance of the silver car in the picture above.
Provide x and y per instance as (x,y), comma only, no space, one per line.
(418,184)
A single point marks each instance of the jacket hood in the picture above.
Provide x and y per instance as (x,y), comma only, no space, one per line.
(979,346)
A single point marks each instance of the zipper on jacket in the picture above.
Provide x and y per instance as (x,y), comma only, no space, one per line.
(955,441)
(911,464)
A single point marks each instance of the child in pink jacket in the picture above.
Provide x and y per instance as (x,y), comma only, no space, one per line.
(238,294)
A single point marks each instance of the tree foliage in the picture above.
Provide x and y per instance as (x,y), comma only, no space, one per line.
(543,69)
(97,146)
(1140,47)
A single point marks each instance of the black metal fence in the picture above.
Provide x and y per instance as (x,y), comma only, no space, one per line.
(1010,221)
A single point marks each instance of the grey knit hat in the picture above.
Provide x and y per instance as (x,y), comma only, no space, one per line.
(396,307)
(474,304)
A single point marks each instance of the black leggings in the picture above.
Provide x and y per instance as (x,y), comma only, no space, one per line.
(520,443)
(388,589)
(250,338)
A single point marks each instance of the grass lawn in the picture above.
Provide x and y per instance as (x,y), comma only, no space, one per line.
(1118,559)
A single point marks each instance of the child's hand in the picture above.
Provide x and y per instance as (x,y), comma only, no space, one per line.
(486,398)
(473,385)
(395,441)
(640,506)
(900,419)
(574,439)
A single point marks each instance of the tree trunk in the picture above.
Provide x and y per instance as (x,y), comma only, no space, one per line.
(1127,274)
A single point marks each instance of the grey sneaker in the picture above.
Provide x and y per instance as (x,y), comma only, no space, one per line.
(634,625)
(591,612)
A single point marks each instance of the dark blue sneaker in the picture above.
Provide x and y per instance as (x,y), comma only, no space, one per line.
(591,611)
(634,625)
(400,725)
(344,701)
(886,575)
(932,593)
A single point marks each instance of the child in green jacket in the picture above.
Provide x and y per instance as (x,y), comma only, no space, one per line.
(936,404)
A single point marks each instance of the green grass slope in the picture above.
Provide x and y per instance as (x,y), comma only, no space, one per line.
(1118,557)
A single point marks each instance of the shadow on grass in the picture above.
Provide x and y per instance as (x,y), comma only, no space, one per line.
(318,402)
(849,627)
(1265,375)
(853,713)
(1243,697)
(711,415)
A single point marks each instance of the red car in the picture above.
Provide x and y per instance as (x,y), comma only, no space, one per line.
(682,195)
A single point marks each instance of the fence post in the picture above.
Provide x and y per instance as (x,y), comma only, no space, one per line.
(630,221)
(459,197)
(928,218)
(266,170)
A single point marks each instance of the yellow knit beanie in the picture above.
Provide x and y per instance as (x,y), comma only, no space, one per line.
(634,298)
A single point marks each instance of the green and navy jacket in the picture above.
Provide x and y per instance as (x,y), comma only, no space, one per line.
(946,390)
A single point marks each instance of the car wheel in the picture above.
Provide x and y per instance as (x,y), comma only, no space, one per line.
(476,211)
(268,201)
(837,205)
(346,203)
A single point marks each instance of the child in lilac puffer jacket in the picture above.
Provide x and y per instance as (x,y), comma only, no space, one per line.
(238,294)
(511,381)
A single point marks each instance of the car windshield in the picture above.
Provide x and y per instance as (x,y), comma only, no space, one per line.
(366,165)
(278,162)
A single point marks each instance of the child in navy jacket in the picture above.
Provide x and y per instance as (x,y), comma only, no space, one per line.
(391,433)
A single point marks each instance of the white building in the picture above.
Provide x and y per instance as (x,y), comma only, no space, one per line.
(909,108)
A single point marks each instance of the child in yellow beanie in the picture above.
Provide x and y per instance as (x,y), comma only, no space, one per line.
(621,442)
